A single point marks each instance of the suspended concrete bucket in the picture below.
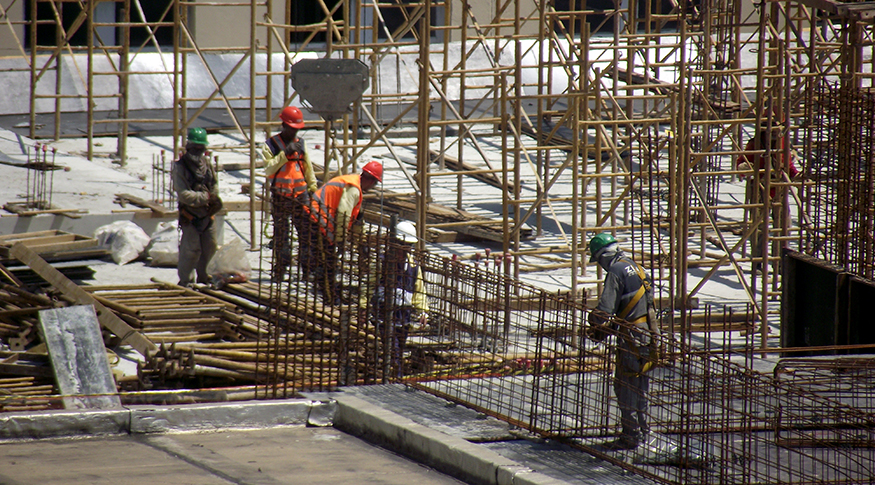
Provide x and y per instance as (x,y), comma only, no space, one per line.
(330,86)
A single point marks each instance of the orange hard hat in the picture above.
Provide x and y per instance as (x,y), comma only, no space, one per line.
(374,168)
(293,117)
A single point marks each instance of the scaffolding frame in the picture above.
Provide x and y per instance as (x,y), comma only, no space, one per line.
(644,109)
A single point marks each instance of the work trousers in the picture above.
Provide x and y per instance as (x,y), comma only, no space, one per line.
(323,261)
(394,335)
(288,212)
(196,248)
(779,215)
(631,387)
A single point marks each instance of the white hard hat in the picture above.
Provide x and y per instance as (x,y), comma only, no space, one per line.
(405,231)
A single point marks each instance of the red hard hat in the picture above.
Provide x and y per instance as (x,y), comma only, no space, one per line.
(374,168)
(293,117)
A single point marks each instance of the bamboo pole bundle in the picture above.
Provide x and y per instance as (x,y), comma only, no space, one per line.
(302,315)
(25,394)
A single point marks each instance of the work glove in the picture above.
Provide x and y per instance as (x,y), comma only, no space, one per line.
(295,147)
(596,333)
(214,205)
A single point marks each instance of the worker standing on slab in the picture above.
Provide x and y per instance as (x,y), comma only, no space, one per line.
(292,181)
(394,291)
(197,192)
(333,210)
(770,165)
(628,296)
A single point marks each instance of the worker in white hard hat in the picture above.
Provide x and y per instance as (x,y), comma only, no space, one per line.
(394,292)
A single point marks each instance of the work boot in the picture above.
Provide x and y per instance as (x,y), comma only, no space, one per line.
(277,274)
(624,442)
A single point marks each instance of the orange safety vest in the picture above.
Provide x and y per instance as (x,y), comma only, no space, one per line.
(288,181)
(324,202)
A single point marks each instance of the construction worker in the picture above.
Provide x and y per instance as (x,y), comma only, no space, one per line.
(755,193)
(394,290)
(197,192)
(291,179)
(627,295)
(333,210)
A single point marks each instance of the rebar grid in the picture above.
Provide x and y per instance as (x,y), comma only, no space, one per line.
(717,414)
(840,201)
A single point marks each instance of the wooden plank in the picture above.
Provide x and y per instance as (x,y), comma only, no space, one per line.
(241,205)
(454,164)
(471,224)
(49,247)
(25,370)
(433,235)
(231,166)
(75,347)
(654,85)
(47,242)
(106,317)
(53,244)
(46,239)
(22,209)
(155,207)
(17,236)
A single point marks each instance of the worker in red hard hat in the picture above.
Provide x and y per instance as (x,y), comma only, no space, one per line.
(291,181)
(768,158)
(333,210)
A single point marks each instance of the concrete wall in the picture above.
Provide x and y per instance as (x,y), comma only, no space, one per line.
(228,26)
(12,39)
(221,26)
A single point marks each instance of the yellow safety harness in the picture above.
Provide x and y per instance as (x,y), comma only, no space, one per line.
(653,355)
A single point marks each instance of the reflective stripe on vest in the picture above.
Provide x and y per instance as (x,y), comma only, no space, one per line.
(323,204)
(289,180)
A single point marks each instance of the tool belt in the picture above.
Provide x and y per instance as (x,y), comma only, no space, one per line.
(199,223)
(647,362)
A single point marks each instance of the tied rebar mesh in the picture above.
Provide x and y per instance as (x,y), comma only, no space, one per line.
(519,353)
(843,171)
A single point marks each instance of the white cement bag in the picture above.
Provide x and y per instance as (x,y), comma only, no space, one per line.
(229,265)
(125,240)
(163,248)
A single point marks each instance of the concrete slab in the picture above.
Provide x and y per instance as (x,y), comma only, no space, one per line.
(199,442)
(280,455)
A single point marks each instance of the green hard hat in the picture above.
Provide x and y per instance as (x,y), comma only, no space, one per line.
(597,243)
(197,135)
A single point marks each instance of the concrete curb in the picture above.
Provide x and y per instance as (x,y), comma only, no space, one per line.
(452,455)
(154,419)
(213,417)
(449,454)
(59,424)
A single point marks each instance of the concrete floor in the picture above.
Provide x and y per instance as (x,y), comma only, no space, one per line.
(278,455)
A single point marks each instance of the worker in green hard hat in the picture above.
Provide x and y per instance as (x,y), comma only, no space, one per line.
(625,310)
(197,194)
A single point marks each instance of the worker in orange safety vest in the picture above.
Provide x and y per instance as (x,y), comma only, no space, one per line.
(333,210)
(291,182)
